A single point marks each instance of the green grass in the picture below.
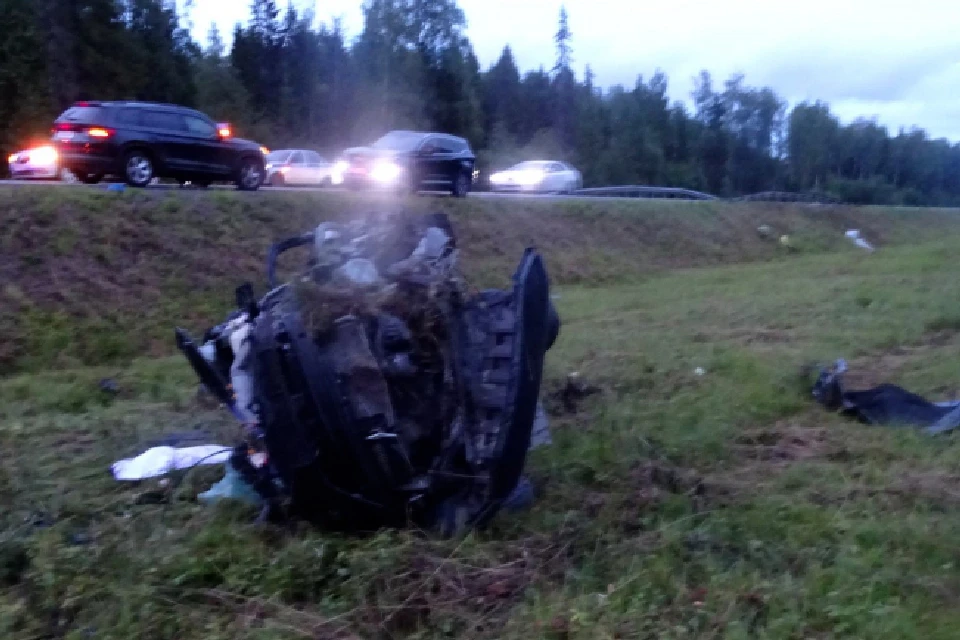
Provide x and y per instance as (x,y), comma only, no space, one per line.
(673,505)
(89,277)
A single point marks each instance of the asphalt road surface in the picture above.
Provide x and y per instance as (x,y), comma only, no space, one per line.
(264,189)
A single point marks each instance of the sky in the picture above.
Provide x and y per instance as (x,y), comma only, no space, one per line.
(893,60)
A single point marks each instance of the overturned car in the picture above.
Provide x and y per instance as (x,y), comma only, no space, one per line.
(375,389)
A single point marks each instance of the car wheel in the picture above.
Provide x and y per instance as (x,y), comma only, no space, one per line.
(138,168)
(276,180)
(201,184)
(461,186)
(91,178)
(250,176)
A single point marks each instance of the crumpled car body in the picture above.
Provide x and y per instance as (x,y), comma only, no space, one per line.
(376,388)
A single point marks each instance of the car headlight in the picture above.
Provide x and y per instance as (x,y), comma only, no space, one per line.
(44,156)
(12,158)
(385,172)
(269,166)
(531,177)
(339,169)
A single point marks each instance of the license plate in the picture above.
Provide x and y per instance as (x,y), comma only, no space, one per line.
(64,135)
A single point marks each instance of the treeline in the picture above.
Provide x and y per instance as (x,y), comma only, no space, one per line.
(285,80)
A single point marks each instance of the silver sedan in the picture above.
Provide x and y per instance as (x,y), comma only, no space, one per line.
(538,176)
(298,167)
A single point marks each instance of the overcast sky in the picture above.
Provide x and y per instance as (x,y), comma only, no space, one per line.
(897,60)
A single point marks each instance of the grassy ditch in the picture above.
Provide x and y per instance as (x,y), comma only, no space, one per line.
(89,277)
(700,494)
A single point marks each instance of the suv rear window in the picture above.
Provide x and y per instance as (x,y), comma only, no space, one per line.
(130,117)
(164,120)
(88,115)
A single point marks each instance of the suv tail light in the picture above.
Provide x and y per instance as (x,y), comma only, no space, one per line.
(100,133)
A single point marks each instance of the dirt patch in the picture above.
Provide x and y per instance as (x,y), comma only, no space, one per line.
(904,491)
(648,486)
(785,442)
(935,487)
(747,336)
(471,595)
(872,370)
(565,398)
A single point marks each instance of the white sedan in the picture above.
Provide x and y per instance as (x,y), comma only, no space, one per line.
(298,167)
(39,162)
(538,176)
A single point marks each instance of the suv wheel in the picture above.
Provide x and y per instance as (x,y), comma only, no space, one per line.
(138,168)
(461,187)
(250,175)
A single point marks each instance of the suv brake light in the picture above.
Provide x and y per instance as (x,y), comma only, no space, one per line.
(99,132)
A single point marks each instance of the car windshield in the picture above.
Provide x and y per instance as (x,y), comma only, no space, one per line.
(399,141)
(277,157)
(530,165)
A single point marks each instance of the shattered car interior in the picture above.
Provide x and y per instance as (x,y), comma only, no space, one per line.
(375,388)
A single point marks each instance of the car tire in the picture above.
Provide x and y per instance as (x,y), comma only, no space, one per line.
(138,168)
(276,180)
(201,184)
(91,178)
(461,186)
(250,175)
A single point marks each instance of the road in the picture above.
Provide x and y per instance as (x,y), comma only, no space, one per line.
(474,194)
(172,187)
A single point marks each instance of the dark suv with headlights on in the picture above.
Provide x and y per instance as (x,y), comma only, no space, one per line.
(412,161)
(140,141)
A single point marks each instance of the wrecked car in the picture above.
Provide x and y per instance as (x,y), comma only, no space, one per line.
(376,389)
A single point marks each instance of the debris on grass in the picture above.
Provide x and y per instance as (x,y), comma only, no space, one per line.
(158,461)
(886,404)
(231,487)
(859,240)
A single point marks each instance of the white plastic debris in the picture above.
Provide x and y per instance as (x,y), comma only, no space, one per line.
(433,244)
(700,371)
(358,271)
(158,461)
(854,235)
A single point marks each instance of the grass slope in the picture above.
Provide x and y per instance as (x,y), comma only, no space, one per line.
(90,277)
(672,505)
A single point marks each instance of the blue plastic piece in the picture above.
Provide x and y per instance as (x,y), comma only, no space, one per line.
(231,487)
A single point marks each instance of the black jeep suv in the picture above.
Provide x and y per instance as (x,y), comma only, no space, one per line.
(412,161)
(140,141)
